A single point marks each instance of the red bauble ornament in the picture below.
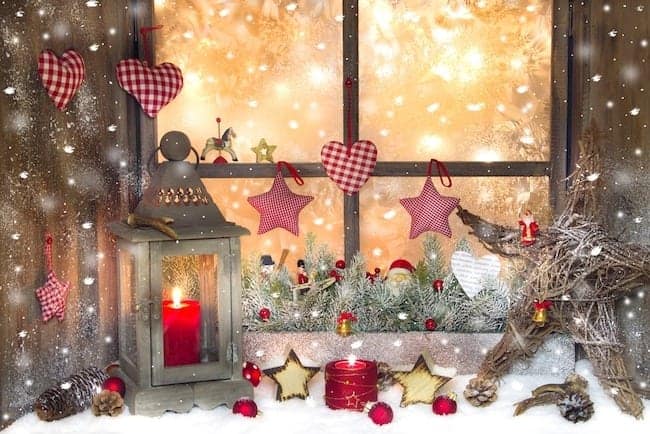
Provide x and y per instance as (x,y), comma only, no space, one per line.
(380,413)
(430,324)
(340,264)
(336,275)
(438,285)
(264,314)
(245,407)
(114,384)
(252,373)
(444,405)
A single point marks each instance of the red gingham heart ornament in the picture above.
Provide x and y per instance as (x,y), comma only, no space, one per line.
(349,167)
(61,77)
(153,88)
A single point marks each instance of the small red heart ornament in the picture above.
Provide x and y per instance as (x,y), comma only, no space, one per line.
(153,88)
(62,77)
(349,167)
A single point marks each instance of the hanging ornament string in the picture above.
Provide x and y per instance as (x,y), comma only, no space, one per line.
(442,171)
(292,171)
(144,31)
(348,114)
(48,252)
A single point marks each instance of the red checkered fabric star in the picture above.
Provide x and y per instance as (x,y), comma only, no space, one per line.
(61,77)
(279,207)
(153,88)
(53,294)
(430,210)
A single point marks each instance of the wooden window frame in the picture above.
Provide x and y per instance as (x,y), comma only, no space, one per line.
(556,168)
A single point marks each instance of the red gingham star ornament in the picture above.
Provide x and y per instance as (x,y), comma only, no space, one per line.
(430,210)
(152,87)
(279,207)
(52,295)
(61,77)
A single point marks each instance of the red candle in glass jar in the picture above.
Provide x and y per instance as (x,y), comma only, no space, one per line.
(181,330)
(350,384)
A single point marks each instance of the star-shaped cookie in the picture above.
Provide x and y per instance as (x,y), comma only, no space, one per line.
(291,378)
(430,210)
(419,384)
(263,151)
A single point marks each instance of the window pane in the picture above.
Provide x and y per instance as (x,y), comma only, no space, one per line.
(456,80)
(269,69)
(386,224)
(322,217)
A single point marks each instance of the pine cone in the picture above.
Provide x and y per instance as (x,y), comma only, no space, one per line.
(72,395)
(576,407)
(384,376)
(108,403)
(481,392)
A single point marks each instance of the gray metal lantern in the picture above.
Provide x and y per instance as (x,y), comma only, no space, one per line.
(179,300)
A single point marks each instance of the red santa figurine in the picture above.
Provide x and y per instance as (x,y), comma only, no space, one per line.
(529,229)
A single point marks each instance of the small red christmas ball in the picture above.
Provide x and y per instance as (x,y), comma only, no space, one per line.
(380,413)
(114,384)
(252,373)
(264,313)
(438,285)
(444,405)
(245,407)
(430,324)
(340,264)
(336,275)
(377,270)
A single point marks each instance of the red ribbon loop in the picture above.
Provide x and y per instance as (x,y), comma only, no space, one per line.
(442,171)
(292,170)
(144,31)
(48,251)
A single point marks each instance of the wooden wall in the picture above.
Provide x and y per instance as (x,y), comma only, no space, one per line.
(611,100)
(71,175)
(35,137)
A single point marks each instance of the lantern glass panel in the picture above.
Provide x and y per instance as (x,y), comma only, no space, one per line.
(190,309)
(128,304)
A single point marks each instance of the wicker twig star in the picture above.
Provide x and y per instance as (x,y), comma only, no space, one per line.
(583,270)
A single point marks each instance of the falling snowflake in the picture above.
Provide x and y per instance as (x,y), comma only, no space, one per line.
(635,111)
(9,90)
(94,47)
(596,78)
(112,128)
(92,3)
(612,33)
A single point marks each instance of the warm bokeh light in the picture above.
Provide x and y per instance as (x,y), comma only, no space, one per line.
(471,74)
(451,80)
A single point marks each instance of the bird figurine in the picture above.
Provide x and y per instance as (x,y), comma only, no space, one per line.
(220,144)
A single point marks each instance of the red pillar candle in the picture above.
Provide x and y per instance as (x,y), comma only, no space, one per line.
(181,331)
(350,384)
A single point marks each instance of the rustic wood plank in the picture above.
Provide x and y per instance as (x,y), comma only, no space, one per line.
(560,75)
(383,168)
(350,89)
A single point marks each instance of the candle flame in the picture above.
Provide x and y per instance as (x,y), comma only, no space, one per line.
(352,359)
(176,297)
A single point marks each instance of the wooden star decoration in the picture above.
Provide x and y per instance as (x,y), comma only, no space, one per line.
(420,385)
(583,270)
(263,151)
(292,378)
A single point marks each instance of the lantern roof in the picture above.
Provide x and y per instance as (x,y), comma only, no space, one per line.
(177,192)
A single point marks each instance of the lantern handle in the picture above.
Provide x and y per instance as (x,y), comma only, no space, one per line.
(155,152)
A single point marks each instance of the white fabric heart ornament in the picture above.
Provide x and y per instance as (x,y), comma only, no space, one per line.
(473,272)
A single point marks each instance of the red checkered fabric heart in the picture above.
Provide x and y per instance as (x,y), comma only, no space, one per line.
(349,167)
(280,207)
(153,88)
(61,77)
(53,294)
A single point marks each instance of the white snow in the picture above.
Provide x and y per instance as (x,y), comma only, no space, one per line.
(311,415)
